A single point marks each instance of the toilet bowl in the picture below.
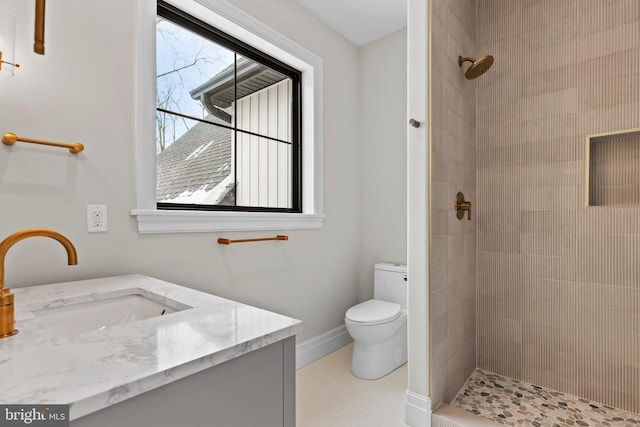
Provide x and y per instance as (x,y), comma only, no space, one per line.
(379,326)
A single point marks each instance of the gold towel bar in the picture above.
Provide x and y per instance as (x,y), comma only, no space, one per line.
(11,138)
(224,241)
(38,45)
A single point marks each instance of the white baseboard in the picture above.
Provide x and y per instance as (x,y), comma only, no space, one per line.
(321,345)
(417,410)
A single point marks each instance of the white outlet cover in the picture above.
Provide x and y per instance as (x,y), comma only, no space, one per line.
(96,218)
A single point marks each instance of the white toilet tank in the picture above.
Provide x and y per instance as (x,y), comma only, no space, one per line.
(390,283)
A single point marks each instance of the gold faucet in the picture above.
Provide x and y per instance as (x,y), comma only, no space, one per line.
(7,321)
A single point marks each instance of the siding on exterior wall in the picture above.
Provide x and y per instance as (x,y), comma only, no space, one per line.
(263,176)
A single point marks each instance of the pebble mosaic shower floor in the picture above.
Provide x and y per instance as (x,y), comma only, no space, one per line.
(510,402)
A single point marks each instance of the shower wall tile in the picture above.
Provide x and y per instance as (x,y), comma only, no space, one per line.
(547,13)
(548,221)
(558,127)
(499,242)
(504,22)
(497,221)
(493,116)
(551,198)
(550,57)
(562,174)
(552,80)
(501,199)
(440,328)
(549,104)
(453,162)
(597,15)
(544,32)
(456,246)
(439,168)
(466,16)
(552,150)
(609,66)
(439,277)
(611,40)
(609,93)
(500,285)
(558,283)
(496,178)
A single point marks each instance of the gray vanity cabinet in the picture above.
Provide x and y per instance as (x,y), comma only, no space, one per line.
(256,389)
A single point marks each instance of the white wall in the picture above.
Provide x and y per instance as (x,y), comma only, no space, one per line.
(383,161)
(83,90)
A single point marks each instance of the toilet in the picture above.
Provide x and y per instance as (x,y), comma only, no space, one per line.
(379,326)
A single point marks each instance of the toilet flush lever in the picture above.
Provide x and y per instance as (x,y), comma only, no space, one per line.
(460,205)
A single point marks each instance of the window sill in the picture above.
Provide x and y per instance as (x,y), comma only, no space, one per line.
(157,221)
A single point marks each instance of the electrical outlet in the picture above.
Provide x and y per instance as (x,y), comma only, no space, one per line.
(96,218)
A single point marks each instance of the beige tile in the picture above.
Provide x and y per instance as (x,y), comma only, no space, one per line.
(500,26)
(439,249)
(501,285)
(615,39)
(508,221)
(597,15)
(550,104)
(456,246)
(498,157)
(609,93)
(443,196)
(550,56)
(328,395)
(552,198)
(608,66)
(547,269)
(500,199)
(439,171)
(499,242)
(439,276)
(546,221)
(439,302)
(537,13)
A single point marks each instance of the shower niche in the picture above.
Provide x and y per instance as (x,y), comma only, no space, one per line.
(613,168)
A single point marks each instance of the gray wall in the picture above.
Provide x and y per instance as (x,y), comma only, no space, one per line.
(83,90)
(383,159)
(558,293)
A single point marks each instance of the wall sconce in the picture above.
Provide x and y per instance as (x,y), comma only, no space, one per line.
(7,43)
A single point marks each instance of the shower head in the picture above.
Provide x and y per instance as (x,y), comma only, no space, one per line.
(478,66)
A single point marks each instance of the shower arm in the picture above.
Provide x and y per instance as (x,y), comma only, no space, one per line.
(462,60)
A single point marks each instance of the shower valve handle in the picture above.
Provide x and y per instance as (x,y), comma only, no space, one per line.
(460,205)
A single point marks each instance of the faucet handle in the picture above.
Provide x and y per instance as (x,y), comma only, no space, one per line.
(460,205)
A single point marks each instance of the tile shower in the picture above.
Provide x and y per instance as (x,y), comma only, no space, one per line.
(557,283)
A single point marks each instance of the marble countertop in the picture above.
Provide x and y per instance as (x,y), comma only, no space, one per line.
(93,370)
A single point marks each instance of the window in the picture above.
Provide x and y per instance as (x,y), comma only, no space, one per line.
(228,121)
(223,203)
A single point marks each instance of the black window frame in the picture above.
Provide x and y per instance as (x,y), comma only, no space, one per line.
(197,26)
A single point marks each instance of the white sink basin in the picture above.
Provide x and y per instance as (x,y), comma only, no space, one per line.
(75,318)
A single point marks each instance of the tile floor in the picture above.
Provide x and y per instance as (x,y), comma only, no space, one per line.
(510,402)
(328,395)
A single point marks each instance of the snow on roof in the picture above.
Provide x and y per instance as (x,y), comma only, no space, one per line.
(196,164)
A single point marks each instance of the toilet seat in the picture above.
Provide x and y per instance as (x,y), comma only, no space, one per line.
(373,312)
